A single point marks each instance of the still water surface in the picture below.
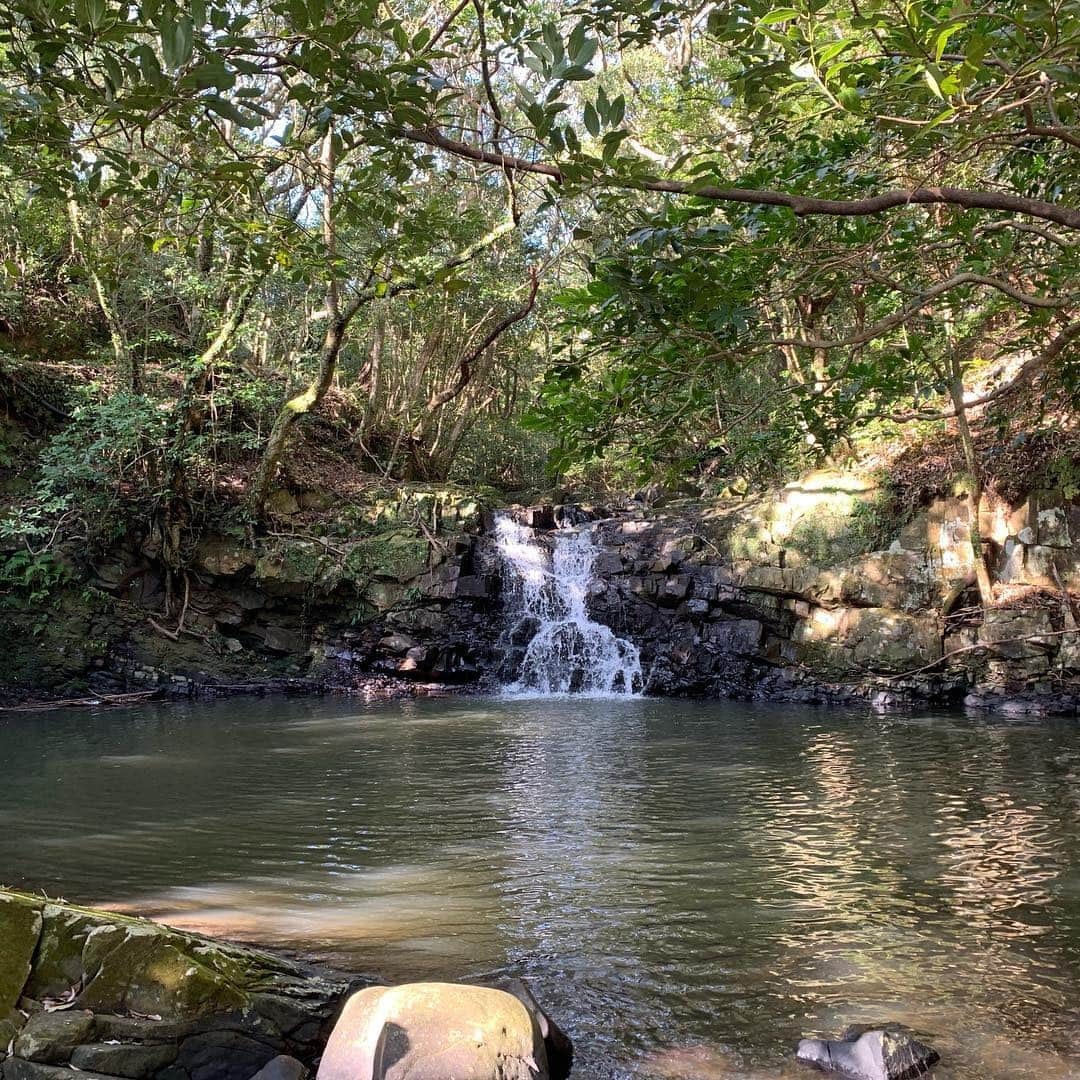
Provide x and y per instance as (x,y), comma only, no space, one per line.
(689,887)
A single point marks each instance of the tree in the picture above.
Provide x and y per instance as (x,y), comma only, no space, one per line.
(775,225)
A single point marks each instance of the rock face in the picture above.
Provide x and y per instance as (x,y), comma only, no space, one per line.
(433,1031)
(113,996)
(807,594)
(888,1053)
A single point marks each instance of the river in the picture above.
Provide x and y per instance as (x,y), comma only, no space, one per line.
(689,887)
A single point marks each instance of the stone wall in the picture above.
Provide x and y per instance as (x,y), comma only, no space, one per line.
(113,996)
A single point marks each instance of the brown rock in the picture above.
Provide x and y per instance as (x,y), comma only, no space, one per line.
(431,1031)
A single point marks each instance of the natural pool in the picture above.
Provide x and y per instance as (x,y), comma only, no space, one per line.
(689,887)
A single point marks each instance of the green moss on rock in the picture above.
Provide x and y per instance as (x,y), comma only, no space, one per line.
(20,929)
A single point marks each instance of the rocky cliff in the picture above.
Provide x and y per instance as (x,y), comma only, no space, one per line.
(790,597)
(812,593)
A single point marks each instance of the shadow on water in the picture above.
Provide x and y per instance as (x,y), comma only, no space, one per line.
(690,887)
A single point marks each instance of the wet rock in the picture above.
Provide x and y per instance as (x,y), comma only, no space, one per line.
(223,1055)
(888,1053)
(472,587)
(536,517)
(280,640)
(282,1067)
(50,1037)
(736,635)
(397,644)
(560,1050)
(435,1030)
(418,659)
(19,1069)
(132,1060)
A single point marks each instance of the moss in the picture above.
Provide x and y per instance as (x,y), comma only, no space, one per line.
(858,526)
(125,964)
(20,929)
(396,557)
(58,964)
(153,971)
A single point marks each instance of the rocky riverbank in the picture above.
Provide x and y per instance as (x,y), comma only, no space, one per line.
(112,996)
(808,594)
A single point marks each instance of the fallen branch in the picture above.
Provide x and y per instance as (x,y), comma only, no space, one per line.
(74,703)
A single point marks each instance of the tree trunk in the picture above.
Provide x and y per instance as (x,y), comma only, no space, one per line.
(337,325)
(982,573)
(127,362)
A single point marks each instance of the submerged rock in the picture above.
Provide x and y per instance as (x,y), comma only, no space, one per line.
(282,1067)
(424,1031)
(888,1053)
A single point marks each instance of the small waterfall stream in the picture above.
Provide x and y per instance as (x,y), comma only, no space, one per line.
(566,653)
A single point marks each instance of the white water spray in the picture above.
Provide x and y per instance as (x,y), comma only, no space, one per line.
(567,652)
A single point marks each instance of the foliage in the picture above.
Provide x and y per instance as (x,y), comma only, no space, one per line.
(762,232)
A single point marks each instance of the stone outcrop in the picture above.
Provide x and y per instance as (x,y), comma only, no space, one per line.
(806,596)
(113,996)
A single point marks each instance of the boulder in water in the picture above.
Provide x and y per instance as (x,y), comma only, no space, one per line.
(560,1050)
(426,1031)
(888,1053)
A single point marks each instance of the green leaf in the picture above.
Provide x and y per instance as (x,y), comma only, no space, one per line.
(943,40)
(931,75)
(213,73)
(177,41)
(90,13)
(553,40)
(228,111)
(833,50)
(779,15)
(592,120)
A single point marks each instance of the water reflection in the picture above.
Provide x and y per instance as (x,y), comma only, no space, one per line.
(691,887)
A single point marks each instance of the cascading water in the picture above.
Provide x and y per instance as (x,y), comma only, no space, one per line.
(566,652)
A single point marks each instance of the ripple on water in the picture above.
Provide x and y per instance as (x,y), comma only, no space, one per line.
(690,887)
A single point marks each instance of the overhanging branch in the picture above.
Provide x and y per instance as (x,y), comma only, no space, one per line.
(801,205)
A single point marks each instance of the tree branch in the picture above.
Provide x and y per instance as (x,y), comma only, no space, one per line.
(438,400)
(898,318)
(801,205)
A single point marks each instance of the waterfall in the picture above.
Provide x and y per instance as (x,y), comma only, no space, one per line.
(564,650)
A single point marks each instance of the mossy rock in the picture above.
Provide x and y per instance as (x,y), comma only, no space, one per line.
(58,964)
(383,595)
(152,971)
(20,931)
(301,563)
(131,965)
(396,557)
(10,1026)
